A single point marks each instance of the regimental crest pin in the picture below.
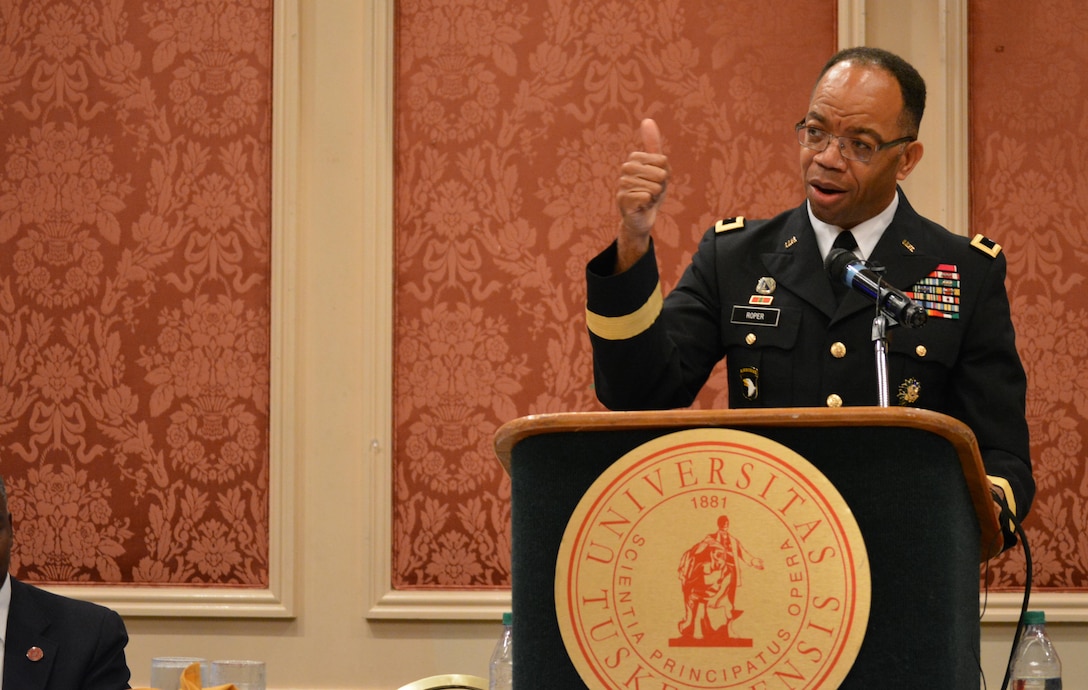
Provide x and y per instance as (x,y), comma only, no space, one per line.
(766,285)
(909,391)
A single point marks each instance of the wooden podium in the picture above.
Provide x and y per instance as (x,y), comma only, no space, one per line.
(913,480)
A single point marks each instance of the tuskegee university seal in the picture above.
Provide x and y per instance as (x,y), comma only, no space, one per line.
(712,558)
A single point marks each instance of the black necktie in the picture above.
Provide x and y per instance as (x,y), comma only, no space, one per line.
(845,240)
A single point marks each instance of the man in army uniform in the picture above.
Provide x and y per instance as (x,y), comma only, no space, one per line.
(757,294)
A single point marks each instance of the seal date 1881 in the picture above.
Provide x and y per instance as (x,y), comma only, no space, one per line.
(712,558)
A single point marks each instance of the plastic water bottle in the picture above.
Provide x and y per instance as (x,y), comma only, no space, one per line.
(501,672)
(1036,665)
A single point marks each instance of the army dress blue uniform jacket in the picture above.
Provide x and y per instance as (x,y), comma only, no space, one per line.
(57,643)
(802,349)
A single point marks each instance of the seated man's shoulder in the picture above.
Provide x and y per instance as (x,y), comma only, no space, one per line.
(57,604)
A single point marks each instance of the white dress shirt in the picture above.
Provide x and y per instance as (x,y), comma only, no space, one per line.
(5,605)
(867,233)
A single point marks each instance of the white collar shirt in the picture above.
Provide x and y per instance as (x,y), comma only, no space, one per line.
(866,233)
(5,606)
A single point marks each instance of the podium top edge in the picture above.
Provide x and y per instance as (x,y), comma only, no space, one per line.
(517,430)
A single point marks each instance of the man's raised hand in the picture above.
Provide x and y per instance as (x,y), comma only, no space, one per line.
(643,180)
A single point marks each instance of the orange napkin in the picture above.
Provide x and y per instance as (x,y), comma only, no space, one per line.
(190,680)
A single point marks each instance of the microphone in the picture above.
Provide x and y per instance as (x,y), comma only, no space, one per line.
(844,265)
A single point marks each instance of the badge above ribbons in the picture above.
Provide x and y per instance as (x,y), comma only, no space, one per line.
(712,558)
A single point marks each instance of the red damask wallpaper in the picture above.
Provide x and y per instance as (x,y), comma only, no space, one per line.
(134,292)
(512,120)
(1029,191)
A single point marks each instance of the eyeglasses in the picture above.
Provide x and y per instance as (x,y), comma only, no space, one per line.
(851,149)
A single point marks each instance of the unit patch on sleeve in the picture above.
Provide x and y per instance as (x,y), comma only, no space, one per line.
(749,382)
(939,292)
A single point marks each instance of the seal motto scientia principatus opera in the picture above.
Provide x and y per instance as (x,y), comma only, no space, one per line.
(712,558)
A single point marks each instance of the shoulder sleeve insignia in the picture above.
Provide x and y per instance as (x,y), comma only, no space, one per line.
(986,246)
(729,224)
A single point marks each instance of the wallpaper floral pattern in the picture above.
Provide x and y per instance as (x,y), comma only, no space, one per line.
(134,296)
(1029,141)
(512,120)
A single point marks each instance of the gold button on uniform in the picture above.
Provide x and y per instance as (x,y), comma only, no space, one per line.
(750,338)
(838,350)
(920,350)
(834,400)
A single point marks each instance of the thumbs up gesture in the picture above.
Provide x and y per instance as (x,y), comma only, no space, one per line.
(643,179)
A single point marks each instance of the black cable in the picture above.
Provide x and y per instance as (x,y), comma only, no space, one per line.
(1006,514)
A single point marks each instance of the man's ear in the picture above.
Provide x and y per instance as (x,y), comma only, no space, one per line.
(911,155)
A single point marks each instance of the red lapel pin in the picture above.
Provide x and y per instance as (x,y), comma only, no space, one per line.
(35,654)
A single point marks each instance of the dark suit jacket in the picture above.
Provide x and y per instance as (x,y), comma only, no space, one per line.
(82,644)
(803,348)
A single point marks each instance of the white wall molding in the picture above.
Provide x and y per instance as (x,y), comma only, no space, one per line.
(851,30)
(277,600)
(377,262)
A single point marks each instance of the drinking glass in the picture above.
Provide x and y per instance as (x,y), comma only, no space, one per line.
(244,673)
(166,670)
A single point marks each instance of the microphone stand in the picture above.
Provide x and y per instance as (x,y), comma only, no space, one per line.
(880,344)
(881,324)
